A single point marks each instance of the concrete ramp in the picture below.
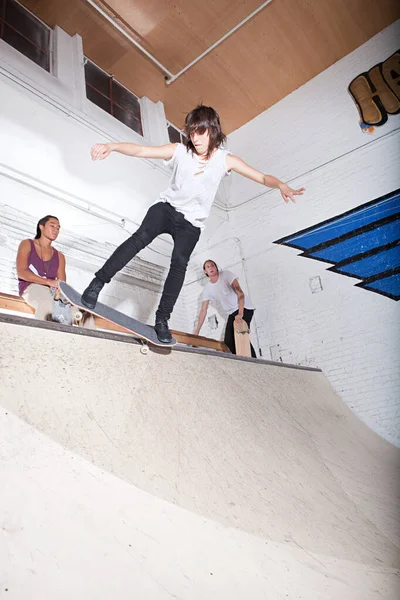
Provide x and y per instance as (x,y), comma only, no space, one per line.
(184,475)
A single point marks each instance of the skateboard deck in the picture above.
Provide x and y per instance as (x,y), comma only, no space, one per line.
(138,329)
(242,338)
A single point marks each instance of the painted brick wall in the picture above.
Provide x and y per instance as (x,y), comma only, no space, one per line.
(312,138)
(47,129)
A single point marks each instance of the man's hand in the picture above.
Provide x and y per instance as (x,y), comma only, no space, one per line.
(100,151)
(238,318)
(52,283)
(288,193)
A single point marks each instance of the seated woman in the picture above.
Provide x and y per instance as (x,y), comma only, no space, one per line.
(40,267)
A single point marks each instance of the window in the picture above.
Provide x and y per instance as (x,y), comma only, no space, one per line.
(175,135)
(104,91)
(25,32)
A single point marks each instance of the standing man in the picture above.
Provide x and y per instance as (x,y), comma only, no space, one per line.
(182,209)
(223,288)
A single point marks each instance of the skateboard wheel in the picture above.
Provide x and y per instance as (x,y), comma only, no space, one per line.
(144,349)
(78,316)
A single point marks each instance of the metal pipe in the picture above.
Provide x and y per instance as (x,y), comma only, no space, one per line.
(218,42)
(170,78)
(129,37)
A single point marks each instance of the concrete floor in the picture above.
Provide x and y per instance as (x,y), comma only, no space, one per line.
(185,476)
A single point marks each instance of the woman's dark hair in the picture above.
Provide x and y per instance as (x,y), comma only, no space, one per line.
(199,120)
(43,222)
(211,261)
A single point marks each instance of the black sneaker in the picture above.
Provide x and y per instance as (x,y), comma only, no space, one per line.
(90,295)
(162,331)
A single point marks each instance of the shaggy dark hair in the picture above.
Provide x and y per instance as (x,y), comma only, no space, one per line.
(199,120)
(211,261)
(43,222)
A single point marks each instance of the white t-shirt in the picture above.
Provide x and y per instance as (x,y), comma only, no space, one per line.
(194,183)
(221,292)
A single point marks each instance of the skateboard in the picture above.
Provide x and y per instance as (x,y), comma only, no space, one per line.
(62,312)
(242,338)
(140,330)
(66,313)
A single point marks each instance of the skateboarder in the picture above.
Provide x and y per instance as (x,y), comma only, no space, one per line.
(223,288)
(40,268)
(182,209)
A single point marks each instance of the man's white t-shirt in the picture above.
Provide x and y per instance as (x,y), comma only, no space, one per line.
(194,183)
(221,292)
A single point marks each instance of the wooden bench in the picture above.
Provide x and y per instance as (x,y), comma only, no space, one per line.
(18,304)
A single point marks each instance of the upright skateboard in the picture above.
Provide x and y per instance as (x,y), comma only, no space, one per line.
(138,329)
(66,313)
(242,338)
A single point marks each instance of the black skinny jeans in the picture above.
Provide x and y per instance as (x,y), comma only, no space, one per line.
(230,334)
(160,218)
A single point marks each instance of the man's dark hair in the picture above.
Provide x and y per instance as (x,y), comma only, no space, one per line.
(43,222)
(199,120)
(211,261)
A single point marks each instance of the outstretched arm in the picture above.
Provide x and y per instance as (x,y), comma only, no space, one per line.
(101,151)
(202,316)
(234,163)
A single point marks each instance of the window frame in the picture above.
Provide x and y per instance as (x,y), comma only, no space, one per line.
(110,98)
(181,134)
(49,53)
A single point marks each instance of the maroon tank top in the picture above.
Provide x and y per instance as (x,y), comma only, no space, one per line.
(43,268)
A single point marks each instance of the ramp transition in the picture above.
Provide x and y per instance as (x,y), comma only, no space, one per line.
(187,476)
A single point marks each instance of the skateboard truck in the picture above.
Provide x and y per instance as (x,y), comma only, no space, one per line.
(243,331)
(242,339)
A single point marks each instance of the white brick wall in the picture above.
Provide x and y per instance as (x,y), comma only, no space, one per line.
(47,129)
(312,138)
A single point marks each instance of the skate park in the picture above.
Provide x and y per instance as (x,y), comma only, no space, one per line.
(136,471)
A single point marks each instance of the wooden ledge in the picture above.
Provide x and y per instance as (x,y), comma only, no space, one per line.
(18,304)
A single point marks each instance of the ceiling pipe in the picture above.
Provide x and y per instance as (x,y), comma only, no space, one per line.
(173,78)
(129,37)
(170,77)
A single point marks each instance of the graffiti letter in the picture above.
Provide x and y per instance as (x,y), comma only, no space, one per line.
(377,92)
(368,102)
(386,96)
(391,73)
